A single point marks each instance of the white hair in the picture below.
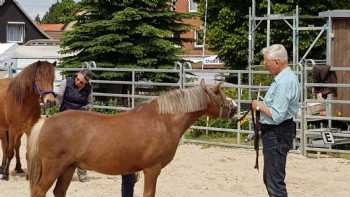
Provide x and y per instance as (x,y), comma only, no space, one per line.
(276,51)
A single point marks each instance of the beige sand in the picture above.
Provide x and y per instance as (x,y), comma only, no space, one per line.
(215,172)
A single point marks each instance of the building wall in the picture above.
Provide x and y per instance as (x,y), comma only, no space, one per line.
(341,57)
(9,12)
(189,48)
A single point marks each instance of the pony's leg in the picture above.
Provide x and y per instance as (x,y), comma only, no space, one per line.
(63,182)
(18,167)
(151,175)
(10,153)
(50,170)
(4,144)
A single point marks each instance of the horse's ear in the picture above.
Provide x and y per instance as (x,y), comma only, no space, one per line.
(202,84)
(54,63)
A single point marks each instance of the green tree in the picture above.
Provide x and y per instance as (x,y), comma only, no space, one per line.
(125,34)
(60,12)
(228,27)
(37,19)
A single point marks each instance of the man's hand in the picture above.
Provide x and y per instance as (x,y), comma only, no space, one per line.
(262,107)
(87,107)
(255,104)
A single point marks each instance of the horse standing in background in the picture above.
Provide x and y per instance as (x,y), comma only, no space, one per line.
(94,141)
(20,99)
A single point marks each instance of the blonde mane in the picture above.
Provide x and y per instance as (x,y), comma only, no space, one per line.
(183,101)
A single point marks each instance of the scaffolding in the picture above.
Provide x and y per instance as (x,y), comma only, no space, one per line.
(299,63)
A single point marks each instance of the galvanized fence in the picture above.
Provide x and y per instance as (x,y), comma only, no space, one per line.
(187,78)
(245,85)
(328,136)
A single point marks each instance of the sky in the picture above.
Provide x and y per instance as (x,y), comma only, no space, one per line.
(34,7)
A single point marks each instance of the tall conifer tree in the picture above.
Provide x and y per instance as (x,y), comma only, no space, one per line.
(125,34)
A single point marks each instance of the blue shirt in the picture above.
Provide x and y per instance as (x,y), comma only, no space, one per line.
(282,98)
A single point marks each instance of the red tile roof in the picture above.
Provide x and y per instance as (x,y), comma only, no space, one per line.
(55,31)
(51,27)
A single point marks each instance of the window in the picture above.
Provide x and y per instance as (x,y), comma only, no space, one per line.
(198,36)
(192,6)
(177,40)
(15,32)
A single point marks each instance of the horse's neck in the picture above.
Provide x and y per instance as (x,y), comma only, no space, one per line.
(184,121)
(33,103)
(29,108)
(179,122)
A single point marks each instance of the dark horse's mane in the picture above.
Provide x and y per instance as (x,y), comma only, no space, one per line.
(22,85)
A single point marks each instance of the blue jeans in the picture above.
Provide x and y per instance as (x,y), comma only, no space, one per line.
(277,141)
(128,182)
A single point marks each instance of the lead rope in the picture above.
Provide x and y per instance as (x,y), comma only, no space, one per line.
(256,125)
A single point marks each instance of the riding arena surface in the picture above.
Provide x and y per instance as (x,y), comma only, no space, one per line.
(201,171)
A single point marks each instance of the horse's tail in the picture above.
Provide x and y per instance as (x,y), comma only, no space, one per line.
(34,160)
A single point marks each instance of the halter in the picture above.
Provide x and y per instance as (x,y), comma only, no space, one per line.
(225,104)
(43,92)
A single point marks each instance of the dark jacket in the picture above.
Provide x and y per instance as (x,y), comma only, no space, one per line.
(323,74)
(73,98)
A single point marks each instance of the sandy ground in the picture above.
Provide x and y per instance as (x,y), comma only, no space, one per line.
(198,171)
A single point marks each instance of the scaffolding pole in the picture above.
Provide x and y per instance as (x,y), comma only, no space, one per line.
(268,28)
(297,63)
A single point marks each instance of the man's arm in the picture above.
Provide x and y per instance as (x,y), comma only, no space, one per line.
(262,108)
(88,106)
(279,107)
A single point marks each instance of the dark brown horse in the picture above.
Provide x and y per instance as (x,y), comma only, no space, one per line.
(144,138)
(20,99)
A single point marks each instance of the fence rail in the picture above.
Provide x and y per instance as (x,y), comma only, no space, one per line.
(241,87)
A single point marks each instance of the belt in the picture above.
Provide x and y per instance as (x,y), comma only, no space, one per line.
(265,127)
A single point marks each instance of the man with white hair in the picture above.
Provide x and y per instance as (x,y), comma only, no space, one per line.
(280,105)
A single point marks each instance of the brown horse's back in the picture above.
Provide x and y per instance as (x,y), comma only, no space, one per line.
(103,145)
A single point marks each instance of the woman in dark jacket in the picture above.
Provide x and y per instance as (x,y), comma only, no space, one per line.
(76,95)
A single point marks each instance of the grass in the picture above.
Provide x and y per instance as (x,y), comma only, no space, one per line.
(220,137)
(340,155)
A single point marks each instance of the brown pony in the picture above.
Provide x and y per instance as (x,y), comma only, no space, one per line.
(20,99)
(144,138)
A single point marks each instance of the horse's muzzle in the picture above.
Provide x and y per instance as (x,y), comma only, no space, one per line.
(233,109)
(49,103)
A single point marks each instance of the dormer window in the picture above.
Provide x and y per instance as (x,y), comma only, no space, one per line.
(15,32)
(192,6)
